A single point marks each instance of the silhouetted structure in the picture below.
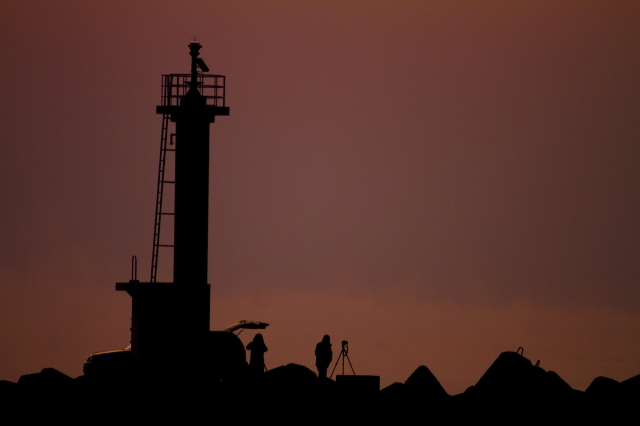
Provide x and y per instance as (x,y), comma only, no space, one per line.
(423,384)
(324,356)
(257,348)
(170,321)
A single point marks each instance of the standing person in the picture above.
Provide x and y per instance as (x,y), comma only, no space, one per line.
(257,348)
(324,355)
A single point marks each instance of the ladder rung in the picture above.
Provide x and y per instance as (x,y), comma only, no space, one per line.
(165,245)
(168,214)
(168,181)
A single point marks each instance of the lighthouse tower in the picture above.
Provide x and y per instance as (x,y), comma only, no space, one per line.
(170,320)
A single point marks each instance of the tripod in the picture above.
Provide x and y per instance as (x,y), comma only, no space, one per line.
(344,353)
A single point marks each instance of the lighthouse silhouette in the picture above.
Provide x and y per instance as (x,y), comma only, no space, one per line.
(170,320)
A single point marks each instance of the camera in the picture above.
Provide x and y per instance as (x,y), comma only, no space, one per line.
(344,343)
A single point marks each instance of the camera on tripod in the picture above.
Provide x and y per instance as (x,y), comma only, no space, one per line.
(344,353)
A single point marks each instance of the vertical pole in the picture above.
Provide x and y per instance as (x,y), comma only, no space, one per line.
(194,51)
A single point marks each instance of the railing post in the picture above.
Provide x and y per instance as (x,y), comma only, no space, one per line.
(134,268)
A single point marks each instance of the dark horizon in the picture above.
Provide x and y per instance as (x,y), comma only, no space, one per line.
(435,182)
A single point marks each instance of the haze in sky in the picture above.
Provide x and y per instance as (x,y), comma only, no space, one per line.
(434,181)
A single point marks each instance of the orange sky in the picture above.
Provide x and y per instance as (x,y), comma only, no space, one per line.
(435,182)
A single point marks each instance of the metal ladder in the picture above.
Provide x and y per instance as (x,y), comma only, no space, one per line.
(161,182)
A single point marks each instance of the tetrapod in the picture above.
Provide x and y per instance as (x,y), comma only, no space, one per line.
(344,353)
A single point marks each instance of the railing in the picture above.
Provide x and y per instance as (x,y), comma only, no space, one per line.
(175,86)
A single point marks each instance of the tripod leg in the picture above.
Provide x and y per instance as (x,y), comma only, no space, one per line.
(334,366)
(347,356)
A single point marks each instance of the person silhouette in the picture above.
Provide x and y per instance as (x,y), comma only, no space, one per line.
(324,355)
(257,348)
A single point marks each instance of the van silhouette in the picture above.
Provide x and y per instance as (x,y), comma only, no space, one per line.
(226,356)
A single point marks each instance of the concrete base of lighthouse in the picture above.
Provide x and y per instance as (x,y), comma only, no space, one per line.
(169,325)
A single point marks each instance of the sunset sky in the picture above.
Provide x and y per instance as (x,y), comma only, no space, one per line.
(434,181)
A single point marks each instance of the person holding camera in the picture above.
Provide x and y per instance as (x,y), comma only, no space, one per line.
(324,355)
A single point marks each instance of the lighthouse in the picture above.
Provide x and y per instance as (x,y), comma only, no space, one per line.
(170,320)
